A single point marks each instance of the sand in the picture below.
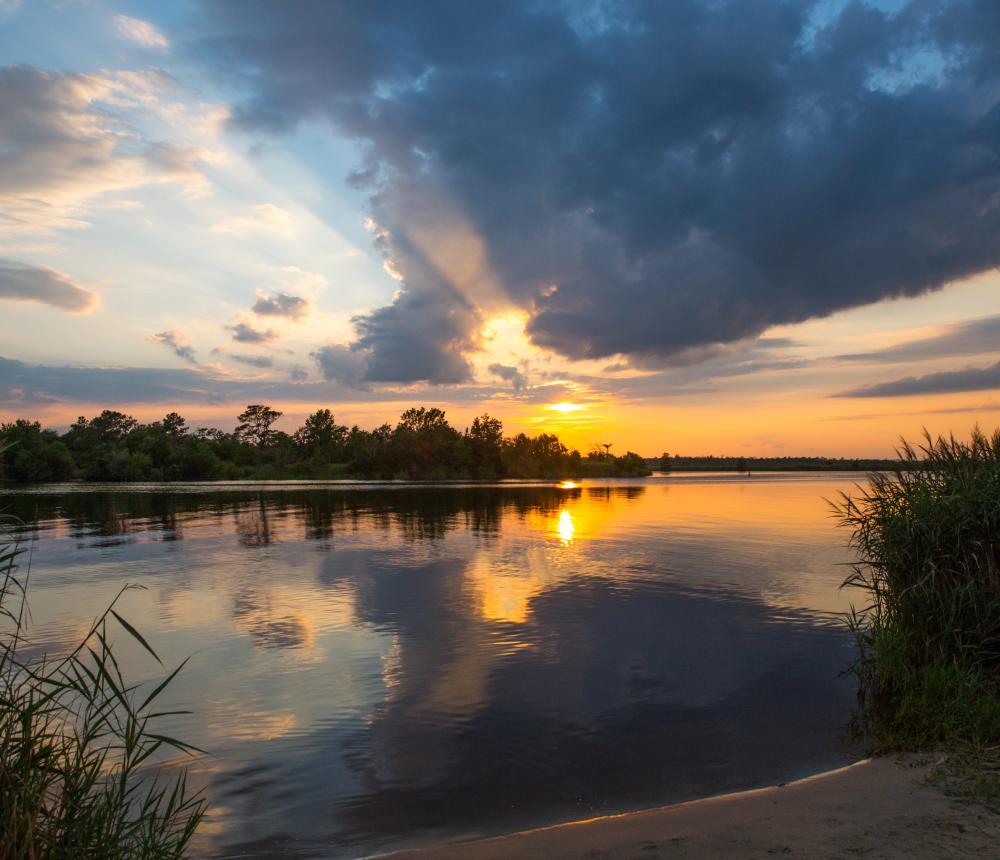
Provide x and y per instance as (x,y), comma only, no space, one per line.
(874,809)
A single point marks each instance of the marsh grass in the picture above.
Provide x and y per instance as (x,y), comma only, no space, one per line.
(76,745)
(928,635)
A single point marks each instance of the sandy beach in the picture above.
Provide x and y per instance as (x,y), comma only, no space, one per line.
(877,808)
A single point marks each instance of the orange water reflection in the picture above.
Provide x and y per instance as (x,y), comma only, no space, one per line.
(316,610)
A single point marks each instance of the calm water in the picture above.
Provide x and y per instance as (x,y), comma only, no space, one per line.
(376,667)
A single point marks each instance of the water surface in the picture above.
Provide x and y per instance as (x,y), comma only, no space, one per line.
(381,666)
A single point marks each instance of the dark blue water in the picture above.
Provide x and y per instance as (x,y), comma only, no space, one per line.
(379,667)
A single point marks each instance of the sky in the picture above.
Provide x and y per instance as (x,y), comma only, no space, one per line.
(705,226)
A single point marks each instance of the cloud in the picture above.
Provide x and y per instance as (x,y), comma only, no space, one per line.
(281,305)
(642,180)
(25,283)
(64,141)
(265,218)
(260,361)
(340,364)
(297,374)
(248,334)
(949,382)
(946,410)
(26,384)
(421,336)
(141,32)
(972,337)
(23,385)
(176,343)
(510,374)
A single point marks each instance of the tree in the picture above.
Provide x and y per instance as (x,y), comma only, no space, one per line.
(113,426)
(487,430)
(419,419)
(255,424)
(28,453)
(174,424)
(321,433)
(485,443)
(666,463)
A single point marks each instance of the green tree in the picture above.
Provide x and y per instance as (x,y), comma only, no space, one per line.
(321,433)
(255,424)
(113,426)
(174,424)
(485,447)
(419,419)
(33,454)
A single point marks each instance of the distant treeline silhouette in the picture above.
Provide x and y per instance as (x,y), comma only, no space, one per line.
(114,446)
(710,463)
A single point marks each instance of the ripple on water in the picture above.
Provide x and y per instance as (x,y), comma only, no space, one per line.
(377,666)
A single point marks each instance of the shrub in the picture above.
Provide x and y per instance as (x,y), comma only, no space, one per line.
(76,745)
(928,539)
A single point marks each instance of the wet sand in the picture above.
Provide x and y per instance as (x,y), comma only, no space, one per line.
(874,809)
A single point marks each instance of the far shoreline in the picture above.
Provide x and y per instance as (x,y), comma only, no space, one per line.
(656,476)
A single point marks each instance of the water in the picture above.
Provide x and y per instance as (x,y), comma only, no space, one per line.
(375,667)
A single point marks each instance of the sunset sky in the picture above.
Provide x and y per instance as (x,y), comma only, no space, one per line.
(750,227)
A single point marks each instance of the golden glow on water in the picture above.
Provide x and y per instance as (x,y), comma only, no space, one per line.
(295,625)
(565,528)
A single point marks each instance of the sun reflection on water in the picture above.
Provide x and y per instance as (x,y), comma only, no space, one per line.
(565,528)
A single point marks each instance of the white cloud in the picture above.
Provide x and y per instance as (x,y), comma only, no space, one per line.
(60,148)
(266,218)
(141,32)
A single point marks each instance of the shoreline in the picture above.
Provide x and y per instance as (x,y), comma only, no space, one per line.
(876,807)
(657,478)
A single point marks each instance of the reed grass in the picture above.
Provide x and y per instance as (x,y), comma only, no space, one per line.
(928,634)
(77,743)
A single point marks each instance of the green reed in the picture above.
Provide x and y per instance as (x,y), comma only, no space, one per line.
(928,540)
(76,745)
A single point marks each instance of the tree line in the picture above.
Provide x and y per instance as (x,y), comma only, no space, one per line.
(710,463)
(423,445)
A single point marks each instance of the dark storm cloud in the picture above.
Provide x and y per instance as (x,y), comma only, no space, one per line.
(281,305)
(37,384)
(24,385)
(950,382)
(24,283)
(645,178)
(174,341)
(973,337)
(244,333)
(510,374)
(340,364)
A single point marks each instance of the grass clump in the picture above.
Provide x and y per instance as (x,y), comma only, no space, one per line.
(928,539)
(76,742)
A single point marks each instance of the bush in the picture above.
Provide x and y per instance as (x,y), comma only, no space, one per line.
(928,537)
(76,742)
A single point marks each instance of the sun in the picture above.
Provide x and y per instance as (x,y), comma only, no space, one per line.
(564,407)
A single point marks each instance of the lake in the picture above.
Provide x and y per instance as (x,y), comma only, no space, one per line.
(374,666)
